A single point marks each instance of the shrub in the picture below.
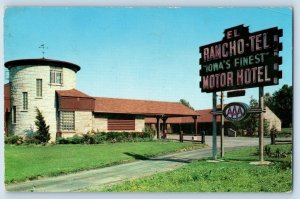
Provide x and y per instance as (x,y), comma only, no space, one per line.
(61,140)
(100,138)
(76,140)
(43,134)
(112,137)
(149,131)
(13,140)
(88,138)
(31,137)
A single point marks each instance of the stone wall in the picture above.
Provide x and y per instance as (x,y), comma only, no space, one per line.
(139,124)
(272,119)
(100,123)
(83,122)
(23,79)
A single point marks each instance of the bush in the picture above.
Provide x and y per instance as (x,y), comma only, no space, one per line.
(76,140)
(100,138)
(112,137)
(62,141)
(88,138)
(31,137)
(13,140)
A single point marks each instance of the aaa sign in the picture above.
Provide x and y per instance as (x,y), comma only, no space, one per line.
(235,111)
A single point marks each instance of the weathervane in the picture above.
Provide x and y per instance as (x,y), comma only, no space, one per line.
(43,51)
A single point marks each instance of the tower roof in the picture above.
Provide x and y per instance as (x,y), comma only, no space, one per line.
(49,62)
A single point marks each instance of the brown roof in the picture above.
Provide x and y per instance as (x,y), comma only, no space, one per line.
(7,97)
(72,100)
(123,106)
(205,117)
(71,93)
(143,107)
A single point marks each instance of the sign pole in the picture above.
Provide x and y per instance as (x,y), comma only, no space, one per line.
(222,125)
(261,124)
(214,140)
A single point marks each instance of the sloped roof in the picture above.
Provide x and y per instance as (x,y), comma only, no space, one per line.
(71,93)
(143,107)
(205,116)
(129,106)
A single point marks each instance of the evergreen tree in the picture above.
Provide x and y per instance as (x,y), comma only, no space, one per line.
(42,133)
(186,103)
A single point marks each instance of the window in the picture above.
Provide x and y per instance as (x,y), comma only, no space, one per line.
(25,101)
(39,84)
(56,75)
(67,121)
(14,117)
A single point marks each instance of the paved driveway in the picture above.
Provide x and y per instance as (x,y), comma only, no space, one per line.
(114,174)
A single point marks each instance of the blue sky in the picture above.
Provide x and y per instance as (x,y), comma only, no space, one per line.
(138,53)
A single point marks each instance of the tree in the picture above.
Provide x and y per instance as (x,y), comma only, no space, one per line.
(186,103)
(42,133)
(251,123)
(281,103)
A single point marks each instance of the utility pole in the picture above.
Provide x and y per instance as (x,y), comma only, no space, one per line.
(222,124)
(261,124)
(214,140)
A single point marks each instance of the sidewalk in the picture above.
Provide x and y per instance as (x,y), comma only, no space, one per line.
(114,174)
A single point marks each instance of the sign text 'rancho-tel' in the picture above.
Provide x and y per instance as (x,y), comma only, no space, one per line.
(241,60)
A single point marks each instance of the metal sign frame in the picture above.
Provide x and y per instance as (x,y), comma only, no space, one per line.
(240,60)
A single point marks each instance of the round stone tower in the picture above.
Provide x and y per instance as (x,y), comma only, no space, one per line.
(33,83)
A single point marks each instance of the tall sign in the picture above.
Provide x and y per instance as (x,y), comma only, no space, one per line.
(241,60)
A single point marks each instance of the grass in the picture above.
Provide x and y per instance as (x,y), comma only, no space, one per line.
(27,162)
(235,174)
(288,130)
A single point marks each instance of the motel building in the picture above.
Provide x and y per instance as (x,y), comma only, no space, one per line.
(50,86)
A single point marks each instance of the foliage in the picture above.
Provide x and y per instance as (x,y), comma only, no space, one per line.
(186,103)
(111,137)
(235,174)
(13,139)
(287,130)
(266,127)
(281,103)
(31,161)
(31,137)
(42,133)
(251,123)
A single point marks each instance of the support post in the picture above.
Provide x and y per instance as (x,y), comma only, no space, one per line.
(203,137)
(164,119)
(214,125)
(181,136)
(195,125)
(261,124)
(222,125)
(157,127)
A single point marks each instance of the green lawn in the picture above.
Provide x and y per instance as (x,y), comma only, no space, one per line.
(30,162)
(287,130)
(235,174)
